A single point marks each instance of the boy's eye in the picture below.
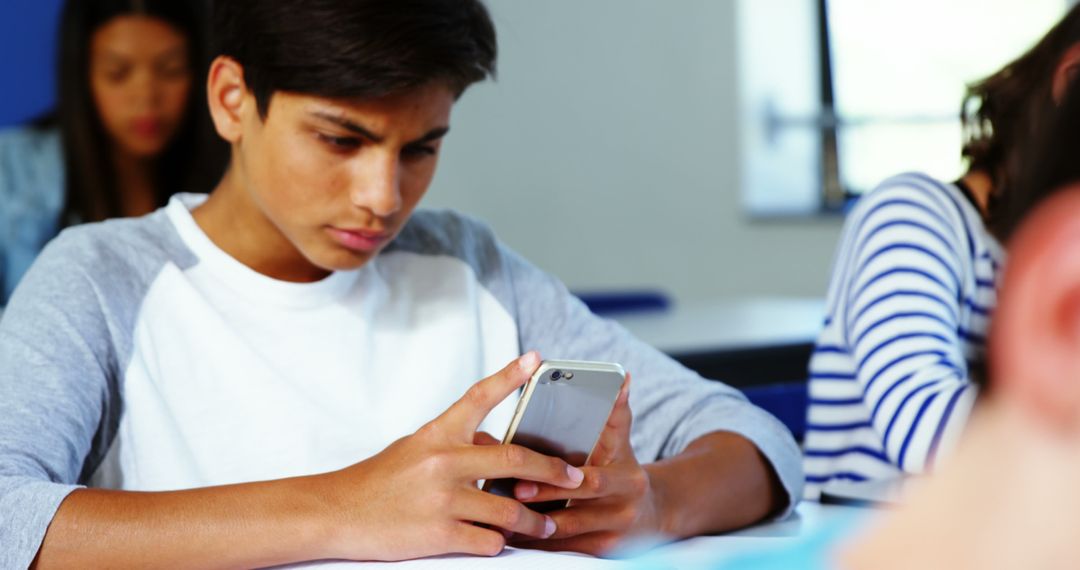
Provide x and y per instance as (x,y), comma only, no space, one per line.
(418,151)
(341,143)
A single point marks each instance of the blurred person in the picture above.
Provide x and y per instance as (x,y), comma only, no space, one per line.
(129,129)
(895,370)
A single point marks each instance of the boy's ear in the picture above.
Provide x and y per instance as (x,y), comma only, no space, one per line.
(1035,337)
(1068,69)
(227,94)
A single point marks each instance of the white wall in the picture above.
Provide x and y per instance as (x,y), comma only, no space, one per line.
(606,152)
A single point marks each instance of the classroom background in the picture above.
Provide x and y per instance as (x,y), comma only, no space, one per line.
(686,165)
(633,144)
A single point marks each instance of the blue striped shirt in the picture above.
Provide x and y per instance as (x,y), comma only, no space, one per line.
(908,310)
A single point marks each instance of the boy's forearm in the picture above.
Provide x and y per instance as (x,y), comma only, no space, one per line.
(720,482)
(246,525)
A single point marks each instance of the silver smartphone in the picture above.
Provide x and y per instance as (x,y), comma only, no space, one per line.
(561,412)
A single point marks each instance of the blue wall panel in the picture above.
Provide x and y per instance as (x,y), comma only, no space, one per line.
(27,58)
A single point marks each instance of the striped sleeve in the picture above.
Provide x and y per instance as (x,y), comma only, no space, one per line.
(904,294)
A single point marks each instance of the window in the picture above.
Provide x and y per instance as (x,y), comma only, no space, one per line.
(849,92)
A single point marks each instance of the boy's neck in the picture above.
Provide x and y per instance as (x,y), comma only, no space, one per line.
(236,225)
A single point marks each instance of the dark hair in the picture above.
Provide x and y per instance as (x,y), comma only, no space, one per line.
(355,48)
(1004,111)
(1051,161)
(193,159)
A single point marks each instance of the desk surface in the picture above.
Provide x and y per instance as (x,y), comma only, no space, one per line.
(695,327)
(694,552)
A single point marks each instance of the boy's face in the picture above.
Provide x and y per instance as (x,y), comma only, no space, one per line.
(339,178)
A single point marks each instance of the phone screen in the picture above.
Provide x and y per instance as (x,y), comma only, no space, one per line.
(564,416)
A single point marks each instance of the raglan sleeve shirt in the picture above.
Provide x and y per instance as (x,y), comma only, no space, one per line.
(57,381)
(66,334)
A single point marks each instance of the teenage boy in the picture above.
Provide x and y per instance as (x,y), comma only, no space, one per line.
(251,379)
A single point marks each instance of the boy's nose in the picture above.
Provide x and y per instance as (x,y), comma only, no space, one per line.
(380,190)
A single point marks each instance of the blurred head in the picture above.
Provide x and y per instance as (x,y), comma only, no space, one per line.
(140,81)
(1003,112)
(1035,345)
(125,77)
(335,135)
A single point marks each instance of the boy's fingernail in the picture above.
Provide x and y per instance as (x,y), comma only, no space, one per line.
(576,475)
(528,361)
(549,526)
(527,490)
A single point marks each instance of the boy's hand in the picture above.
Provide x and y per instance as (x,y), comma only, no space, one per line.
(615,502)
(418,497)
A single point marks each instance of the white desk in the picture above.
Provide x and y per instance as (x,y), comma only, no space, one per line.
(736,324)
(693,552)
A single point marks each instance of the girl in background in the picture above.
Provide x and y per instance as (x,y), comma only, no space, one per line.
(126,133)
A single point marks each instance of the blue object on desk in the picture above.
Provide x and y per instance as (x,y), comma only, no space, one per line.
(609,302)
(786,401)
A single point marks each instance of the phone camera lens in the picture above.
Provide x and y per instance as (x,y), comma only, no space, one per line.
(555,375)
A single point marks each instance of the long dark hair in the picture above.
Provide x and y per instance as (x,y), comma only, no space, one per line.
(1002,113)
(193,159)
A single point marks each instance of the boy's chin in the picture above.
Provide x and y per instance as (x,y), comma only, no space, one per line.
(341,260)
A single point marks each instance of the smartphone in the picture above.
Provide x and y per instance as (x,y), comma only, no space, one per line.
(561,412)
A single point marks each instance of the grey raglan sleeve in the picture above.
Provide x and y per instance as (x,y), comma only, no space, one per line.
(672,405)
(54,358)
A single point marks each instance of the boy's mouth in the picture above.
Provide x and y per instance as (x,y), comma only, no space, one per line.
(359,240)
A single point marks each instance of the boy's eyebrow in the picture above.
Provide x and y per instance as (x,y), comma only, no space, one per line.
(433,134)
(347,125)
